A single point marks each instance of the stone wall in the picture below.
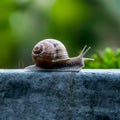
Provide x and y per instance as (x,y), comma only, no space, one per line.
(85,95)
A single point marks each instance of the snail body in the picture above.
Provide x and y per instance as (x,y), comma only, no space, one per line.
(51,55)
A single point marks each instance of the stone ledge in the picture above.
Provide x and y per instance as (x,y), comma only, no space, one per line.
(86,95)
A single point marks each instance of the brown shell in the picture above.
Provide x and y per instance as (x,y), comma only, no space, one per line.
(49,50)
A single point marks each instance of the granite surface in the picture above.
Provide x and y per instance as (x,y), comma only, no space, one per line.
(85,95)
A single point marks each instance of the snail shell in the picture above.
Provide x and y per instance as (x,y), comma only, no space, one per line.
(51,55)
(47,51)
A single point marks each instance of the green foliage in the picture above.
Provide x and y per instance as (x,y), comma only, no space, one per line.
(110,59)
(74,22)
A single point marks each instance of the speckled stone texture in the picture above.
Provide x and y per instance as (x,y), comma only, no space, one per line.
(85,95)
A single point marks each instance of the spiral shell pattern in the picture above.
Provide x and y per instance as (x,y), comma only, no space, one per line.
(48,51)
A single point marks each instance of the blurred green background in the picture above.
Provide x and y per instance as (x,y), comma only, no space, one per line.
(74,22)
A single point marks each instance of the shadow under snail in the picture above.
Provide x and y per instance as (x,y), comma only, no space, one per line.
(51,55)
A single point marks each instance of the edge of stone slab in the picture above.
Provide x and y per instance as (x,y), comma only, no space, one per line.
(82,71)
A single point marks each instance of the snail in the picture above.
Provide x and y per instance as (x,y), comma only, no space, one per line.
(51,55)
